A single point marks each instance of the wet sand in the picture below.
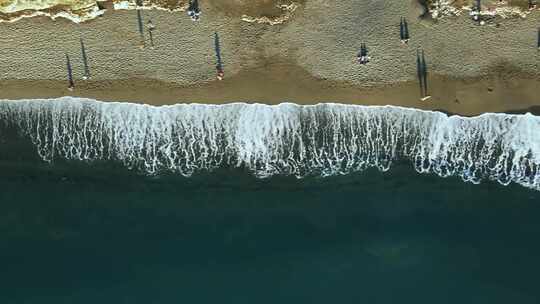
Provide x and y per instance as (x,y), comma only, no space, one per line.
(282,82)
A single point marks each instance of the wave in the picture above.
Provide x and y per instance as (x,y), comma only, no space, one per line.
(315,140)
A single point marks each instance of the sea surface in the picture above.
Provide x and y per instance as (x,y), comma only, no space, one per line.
(122,203)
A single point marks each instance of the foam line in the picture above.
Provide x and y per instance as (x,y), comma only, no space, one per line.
(290,139)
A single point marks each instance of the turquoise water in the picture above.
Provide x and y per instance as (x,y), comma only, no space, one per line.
(96,231)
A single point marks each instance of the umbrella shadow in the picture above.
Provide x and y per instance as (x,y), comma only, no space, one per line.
(71,84)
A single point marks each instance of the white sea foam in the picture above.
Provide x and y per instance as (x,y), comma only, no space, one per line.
(89,14)
(324,139)
(132,5)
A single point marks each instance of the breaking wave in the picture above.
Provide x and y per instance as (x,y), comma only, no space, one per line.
(323,139)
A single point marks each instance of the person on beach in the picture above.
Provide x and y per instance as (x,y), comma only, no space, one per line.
(419,73)
(424,75)
(151,27)
(404,30)
(476,13)
(421,69)
(220,73)
(193,10)
(362,56)
(219,62)
(85,61)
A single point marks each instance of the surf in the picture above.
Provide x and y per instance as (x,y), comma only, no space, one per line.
(286,139)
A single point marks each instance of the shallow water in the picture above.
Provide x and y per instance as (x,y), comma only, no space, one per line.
(94,231)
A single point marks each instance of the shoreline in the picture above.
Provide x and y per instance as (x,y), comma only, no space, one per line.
(289,139)
(262,12)
(280,82)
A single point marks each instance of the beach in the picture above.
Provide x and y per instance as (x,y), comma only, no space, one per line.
(309,59)
(131,174)
(286,83)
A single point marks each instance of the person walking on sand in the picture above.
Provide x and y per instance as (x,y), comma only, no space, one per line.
(421,69)
(151,27)
(220,73)
(424,75)
(193,10)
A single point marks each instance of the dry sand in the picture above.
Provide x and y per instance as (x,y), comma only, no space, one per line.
(310,59)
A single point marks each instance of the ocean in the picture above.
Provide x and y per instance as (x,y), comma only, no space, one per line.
(124,203)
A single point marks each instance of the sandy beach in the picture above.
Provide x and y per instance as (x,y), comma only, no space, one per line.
(309,59)
(287,83)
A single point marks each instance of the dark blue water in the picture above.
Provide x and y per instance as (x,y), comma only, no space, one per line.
(81,233)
